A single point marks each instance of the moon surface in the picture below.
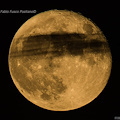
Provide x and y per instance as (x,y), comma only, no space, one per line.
(59,60)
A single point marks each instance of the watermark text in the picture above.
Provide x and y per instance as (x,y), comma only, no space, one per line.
(117,118)
(17,11)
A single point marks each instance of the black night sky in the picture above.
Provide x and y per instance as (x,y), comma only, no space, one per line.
(105,107)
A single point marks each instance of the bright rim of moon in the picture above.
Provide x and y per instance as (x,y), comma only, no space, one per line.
(60,60)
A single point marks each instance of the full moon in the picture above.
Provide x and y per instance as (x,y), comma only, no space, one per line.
(59,60)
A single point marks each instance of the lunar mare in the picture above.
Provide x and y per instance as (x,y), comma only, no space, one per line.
(59,60)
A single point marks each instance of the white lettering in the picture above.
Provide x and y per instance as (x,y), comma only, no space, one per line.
(117,117)
(14,11)
(18,11)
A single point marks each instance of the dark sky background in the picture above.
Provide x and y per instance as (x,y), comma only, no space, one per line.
(105,107)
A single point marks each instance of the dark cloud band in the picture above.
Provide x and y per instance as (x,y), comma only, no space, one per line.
(60,44)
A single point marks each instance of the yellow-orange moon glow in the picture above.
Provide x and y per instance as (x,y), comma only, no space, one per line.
(59,60)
